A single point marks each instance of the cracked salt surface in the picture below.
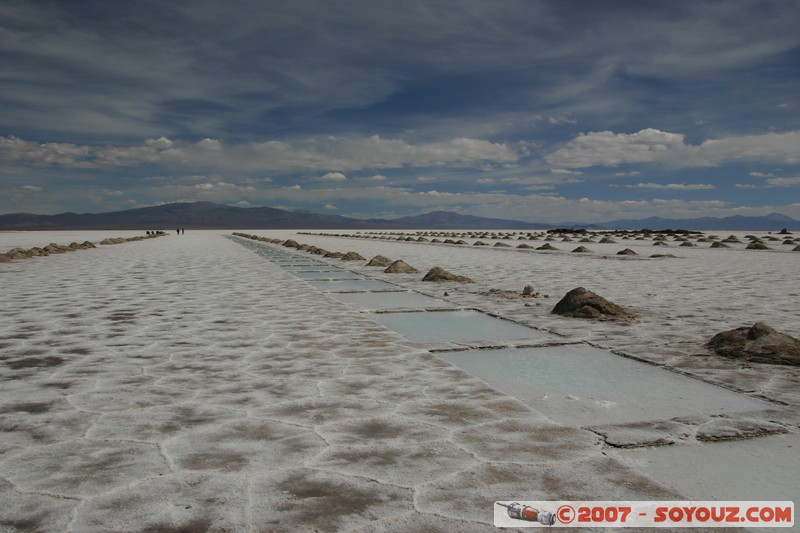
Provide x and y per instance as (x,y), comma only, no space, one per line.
(185,383)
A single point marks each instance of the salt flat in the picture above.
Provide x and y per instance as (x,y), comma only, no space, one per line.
(186,383)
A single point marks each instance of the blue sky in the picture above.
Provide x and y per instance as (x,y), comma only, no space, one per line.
(548,111)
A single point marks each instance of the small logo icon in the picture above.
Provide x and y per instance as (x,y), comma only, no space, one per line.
(529,514)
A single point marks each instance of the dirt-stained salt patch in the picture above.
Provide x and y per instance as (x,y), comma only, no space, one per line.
(170,503)
(83,467)
(316,411)
(282,501)
(244,445)
(34,512)
(464,495)
(402,464)
(380,430)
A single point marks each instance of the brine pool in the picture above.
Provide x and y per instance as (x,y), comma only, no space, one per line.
(458,326)
(584,385)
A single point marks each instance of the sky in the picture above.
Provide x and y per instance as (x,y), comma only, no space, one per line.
(542,111)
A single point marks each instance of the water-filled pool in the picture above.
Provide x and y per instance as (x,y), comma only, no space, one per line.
(328,274)
(457,326)
(308,267)
(353,285)
(391,300)
(580,384)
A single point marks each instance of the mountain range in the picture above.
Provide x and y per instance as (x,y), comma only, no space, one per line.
(207,215)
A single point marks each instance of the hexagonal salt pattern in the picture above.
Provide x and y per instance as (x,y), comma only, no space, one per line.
(188,384)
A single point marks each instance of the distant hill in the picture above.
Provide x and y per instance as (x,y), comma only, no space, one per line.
(207,215)
(771,222)
(448,220)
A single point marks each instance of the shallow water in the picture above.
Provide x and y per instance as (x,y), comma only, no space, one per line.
(328,274)
(391,300)
(457,326)
(583,385)
(309,267)
(353,285)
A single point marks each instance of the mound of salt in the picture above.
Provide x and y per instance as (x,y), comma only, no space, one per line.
(440,274)
(582,303)
(759,343)
(379,261)
(400,267)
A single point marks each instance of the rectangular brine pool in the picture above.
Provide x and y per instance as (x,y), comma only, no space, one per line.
(353,285)
(327,274)
(583,385)
(391,300)
(458,326)
(308,267)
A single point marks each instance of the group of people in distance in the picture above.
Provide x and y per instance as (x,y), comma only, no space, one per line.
(179,231)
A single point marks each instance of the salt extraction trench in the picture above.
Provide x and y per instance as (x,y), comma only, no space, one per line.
(572,383)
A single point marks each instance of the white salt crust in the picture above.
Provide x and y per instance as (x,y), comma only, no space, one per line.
(187,383)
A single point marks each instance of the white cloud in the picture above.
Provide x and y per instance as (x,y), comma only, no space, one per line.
(222,186)
(537,181)
(330,206)
(784,182)
(561,119)
(31,188)
(778,147)
(761,175)
(650,145)
(673,186)
(566,171)
(770,182)
(333,176)
(312,153)
(606,148)
(632,173)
